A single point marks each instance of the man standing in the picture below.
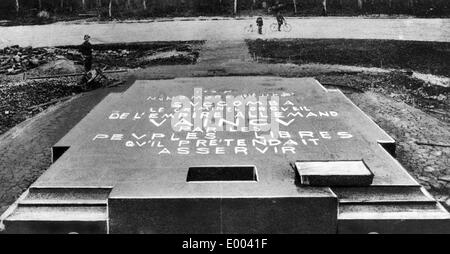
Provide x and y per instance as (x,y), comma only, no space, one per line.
(86,51)
(259,23)
(280,20)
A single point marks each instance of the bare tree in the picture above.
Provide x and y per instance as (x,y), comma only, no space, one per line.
(235,7)
(110,8)
(144,4)
(17,6)
(360,4)
(295,6)
(83,4)
(40,4)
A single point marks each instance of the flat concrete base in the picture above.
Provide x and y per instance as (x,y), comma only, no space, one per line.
(165,174)
(296,215)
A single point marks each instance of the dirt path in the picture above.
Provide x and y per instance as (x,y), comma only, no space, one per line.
(177,30)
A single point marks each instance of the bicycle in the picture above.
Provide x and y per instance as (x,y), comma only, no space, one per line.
(93,79)
(253,29)
(285,27)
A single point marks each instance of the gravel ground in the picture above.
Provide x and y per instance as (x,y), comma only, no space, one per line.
(17,99)
(407,125)
(20,99)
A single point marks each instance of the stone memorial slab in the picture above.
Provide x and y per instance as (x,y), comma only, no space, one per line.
(224,155)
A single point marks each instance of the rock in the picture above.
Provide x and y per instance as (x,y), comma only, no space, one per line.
(424,179)
(435,185)
(43,15)
(441,97)
(34,61)
(429,169)
(441,198)
(445,178)
(50,50)
(437,153)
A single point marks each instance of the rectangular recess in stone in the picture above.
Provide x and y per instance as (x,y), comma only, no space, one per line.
(222,173)
(334,173)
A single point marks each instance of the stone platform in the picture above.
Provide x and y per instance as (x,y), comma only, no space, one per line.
(226,155)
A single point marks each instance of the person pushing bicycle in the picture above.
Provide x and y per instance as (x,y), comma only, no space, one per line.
(259,23)
(280,20)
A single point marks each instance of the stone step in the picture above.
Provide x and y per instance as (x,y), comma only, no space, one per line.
(393,218)
(39,195)
(58,219)
(411,210)
(58,213)
(383,194)
(334,173)
(59,210)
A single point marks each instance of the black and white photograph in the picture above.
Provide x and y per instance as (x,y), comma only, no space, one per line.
(242,119)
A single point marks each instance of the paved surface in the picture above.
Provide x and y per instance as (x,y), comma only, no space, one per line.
(356,28)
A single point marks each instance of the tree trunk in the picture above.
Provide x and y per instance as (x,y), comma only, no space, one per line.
(144,3)
(83,4)
(17,6)
(235,7)
(324,6)
(128,4)
(295,6)
(110,8)
(360,4)
(62,4)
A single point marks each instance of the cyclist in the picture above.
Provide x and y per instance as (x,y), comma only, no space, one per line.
(259,23)
(280,20)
